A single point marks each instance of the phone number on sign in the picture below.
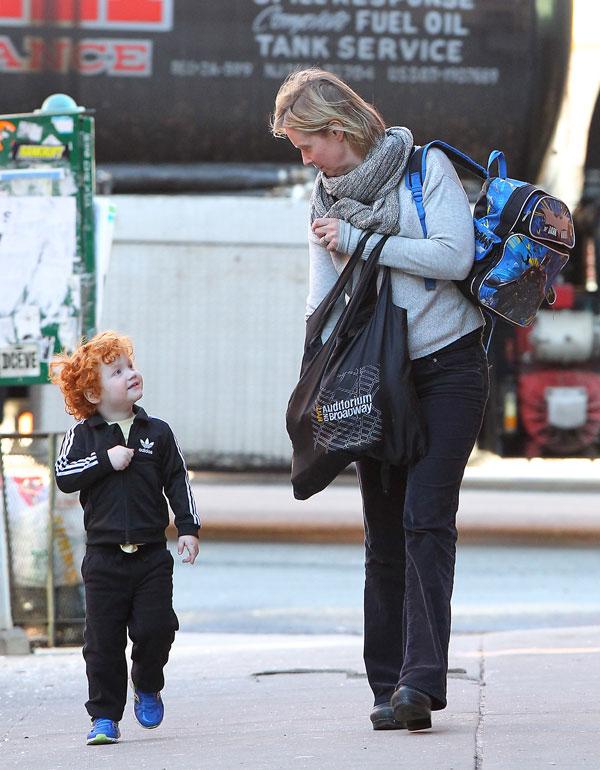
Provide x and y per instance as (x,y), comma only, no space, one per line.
(211,69)
(482,76)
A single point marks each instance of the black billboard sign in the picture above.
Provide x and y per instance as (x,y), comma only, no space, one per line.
(194,80)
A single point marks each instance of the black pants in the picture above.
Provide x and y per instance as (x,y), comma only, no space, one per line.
(126,592)
(410,533)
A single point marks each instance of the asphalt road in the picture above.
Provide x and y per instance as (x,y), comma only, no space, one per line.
(316,589)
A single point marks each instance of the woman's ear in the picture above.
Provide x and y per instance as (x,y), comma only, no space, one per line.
(336,131)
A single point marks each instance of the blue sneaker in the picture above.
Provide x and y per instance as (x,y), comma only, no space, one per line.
(148,708)
(103,731)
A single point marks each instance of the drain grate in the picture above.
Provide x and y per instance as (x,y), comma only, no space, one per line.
(453,673)
(350,673)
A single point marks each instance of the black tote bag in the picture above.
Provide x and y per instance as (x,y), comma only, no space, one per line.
(355,397)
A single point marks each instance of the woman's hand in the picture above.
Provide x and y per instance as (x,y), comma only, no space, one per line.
(328,231)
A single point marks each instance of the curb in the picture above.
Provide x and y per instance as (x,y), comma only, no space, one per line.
(534,484)
(245,532)
(508,477)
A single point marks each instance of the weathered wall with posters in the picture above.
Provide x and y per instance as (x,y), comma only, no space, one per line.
(194,80)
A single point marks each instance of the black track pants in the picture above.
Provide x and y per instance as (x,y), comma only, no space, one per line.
(126,592)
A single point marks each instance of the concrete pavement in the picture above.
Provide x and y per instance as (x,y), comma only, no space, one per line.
(523,699)
(517,700)
(503,500)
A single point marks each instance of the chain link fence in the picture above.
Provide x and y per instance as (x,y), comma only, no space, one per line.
(47,597)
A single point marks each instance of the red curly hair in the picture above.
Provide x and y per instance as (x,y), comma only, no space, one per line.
(79,373)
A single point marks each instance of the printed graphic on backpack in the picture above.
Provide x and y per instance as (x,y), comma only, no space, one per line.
(522,237)
(516,283)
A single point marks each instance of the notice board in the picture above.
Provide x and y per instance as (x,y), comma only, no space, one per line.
(47,262)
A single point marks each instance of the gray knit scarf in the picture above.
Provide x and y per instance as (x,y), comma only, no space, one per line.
(367,196)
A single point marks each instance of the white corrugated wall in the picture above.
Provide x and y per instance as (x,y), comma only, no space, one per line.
(212,291)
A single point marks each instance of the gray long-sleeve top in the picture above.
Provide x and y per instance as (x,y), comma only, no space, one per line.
(435,318)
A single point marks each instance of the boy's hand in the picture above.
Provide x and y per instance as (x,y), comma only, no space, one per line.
(120,457)
(193,546)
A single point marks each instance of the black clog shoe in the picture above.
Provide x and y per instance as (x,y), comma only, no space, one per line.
(412,708)
(382,718)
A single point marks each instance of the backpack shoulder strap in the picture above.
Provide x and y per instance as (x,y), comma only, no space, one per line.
(415,177)
(417,168)
(460,158)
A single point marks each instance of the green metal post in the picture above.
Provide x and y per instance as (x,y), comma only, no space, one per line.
(7,531)
(50,609)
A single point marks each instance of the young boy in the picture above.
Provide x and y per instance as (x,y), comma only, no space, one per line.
(120,460)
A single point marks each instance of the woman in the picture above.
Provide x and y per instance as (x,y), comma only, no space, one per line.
(410,532)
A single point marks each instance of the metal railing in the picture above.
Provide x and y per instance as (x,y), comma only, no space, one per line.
(43,532)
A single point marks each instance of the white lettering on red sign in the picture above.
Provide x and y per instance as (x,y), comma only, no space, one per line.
(114,57)
(154,15)
(89,56)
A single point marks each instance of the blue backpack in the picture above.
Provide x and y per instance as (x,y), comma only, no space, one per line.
(522,237)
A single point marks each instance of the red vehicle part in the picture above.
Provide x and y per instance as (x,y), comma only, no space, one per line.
(534,412)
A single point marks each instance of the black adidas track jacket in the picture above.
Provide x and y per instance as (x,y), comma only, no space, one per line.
(127,506)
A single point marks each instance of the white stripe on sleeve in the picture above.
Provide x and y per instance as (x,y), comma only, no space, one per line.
(191,501)
(65,468)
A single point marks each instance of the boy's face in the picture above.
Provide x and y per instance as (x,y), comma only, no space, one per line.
(120,387)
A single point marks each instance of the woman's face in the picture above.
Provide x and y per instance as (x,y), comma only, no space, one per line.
(327,150)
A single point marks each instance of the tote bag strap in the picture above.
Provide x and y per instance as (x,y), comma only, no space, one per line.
(364,295)
(318,319)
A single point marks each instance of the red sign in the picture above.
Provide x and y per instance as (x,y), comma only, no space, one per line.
(154,15)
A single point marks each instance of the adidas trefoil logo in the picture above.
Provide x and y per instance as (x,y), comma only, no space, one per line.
(146,447)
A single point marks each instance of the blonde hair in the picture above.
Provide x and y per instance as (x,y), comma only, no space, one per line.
(79,373)
(314,99)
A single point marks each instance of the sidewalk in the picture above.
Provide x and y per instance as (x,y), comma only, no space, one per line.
(505,500)
(520,699)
